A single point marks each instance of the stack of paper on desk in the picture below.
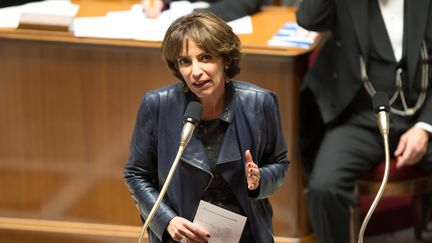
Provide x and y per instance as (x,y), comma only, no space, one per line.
(292,35)
(130,24)
(134,25)
(48,14)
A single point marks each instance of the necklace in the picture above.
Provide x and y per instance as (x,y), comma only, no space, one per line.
(407,111)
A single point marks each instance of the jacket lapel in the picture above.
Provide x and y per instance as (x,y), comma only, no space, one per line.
(379,34)
(416,19)
(195,155)
(231,166)
(359,10)
(230,152)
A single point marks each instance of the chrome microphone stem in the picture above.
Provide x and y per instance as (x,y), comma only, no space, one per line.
(383,183)
(383,123)
(186,133)
(162,192)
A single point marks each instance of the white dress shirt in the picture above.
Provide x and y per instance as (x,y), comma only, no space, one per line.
(392,12)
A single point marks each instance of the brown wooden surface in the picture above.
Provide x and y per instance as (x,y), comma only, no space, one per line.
(68,107)
(31,230)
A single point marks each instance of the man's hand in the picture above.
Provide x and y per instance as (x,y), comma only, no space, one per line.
(412,147)
(152,8)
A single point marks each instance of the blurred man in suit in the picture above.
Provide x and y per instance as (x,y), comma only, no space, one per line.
(374,45)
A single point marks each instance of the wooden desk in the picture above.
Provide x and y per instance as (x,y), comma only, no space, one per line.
(68,107)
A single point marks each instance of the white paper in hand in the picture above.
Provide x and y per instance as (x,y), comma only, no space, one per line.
(224,226)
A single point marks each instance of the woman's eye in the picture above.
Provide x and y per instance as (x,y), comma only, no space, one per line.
(206,57)
(183,61)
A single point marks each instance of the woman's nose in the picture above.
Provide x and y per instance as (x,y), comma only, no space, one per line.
(196,69)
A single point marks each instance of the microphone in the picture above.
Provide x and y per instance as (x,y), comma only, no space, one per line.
(381,107)
(191,118)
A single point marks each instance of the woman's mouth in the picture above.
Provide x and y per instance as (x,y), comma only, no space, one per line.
(201,84)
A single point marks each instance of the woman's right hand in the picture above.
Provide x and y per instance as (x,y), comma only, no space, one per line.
(183,230)
(152,8)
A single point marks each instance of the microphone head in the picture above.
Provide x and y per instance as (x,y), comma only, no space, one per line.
(193,112)
(380,102)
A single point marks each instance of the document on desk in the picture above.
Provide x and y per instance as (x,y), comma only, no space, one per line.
(10,16)
(224,226)
(242,25)
(133,24)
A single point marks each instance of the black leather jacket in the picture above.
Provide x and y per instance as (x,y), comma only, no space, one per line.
(254,123)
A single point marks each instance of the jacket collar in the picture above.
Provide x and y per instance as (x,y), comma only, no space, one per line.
(230,150)
(195,154)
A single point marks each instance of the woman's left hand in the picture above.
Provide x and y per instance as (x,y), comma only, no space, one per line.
(252,172)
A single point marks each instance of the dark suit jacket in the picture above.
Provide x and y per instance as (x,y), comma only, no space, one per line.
(233,9)
(253,115)
(334,78)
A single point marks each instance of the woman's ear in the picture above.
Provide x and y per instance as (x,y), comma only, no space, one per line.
(227,64)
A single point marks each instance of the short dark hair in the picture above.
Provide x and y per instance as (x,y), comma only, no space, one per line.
(210,33)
